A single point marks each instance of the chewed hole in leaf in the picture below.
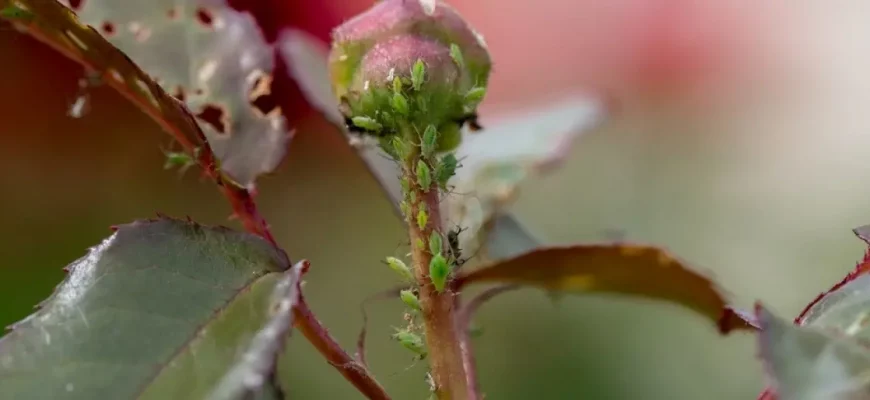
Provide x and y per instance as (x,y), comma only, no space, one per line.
(173,13)
(216,116)
(262,100)
(107,28)
(205,17)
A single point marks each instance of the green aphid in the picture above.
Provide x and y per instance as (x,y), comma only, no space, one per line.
(177,159)
(410,299)
(418,74)
(406,184)
(400,104)
(406,210)
(420,244)
(400,147)
(422,218)
(15,12)
(438,271)
(456,55)
(424,175)
(430,140)
(474,96)
(422,104)
(397,85)
(411,341)
(435,242)
(400,267)
(367,123)
(180,159)
(446,169)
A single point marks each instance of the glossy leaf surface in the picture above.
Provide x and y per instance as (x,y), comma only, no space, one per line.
(160,309)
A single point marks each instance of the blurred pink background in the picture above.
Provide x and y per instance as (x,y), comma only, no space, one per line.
(740,143)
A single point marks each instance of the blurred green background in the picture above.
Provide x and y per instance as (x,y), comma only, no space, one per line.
(750,171)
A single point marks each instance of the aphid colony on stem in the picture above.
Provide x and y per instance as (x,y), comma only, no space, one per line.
(410,75)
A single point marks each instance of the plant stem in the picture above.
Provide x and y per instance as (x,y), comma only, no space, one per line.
(463,318)
(352,370)
(182,126)
(448,373)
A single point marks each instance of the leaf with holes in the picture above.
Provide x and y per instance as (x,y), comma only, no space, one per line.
(642,271)
(493,162)
(58,27)
(810,362)
(161,309)
(214,59)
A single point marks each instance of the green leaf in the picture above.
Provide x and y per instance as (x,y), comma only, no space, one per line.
(200,63)
(643,271)
(254,373)
(807,357)
(161,309)
(811,363)
(496,160)
(846,306)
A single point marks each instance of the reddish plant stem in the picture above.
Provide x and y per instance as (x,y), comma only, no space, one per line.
(445,360)
(170,114)
(355,372)
(174,118)
(463,321)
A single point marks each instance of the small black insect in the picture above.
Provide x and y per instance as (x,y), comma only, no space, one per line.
(471,120)
(453,243)
(353,128)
